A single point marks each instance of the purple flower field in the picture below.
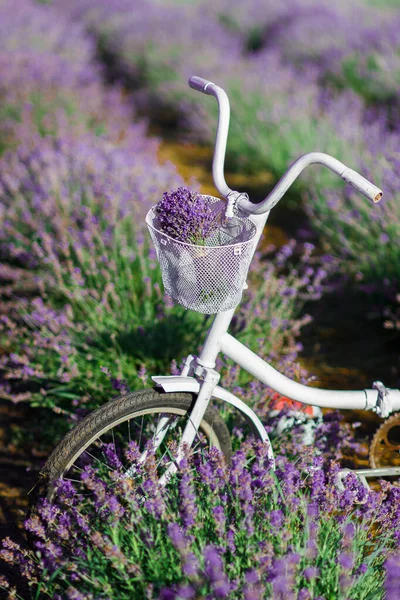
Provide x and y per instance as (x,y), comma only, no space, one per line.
(215,532)
(84,317)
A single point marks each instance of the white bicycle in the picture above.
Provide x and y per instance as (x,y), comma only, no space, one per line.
(177,413)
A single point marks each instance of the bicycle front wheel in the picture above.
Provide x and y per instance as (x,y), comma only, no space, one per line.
(142,417)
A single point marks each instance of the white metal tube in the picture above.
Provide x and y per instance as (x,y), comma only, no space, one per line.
(364,186)
(211,346)
(220,142)
(380,472)
(207,87)
(257,367)
(193,424)
(368,189)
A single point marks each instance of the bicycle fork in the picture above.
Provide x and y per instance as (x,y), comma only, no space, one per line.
(210,381)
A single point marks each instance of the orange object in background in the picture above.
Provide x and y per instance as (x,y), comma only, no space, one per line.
(279,402)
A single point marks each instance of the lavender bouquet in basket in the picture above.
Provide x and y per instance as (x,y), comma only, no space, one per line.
(188,217)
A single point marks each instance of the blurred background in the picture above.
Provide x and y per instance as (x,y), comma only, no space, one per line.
(97,121)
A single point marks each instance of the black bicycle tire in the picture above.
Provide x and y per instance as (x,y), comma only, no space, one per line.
(111,412)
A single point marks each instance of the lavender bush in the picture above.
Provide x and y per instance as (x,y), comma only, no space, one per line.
(70,359)
(359,48)
(81,200)
(263,76)
(267,68)
(363,236)
(358,51)
(157,73)
(215,532)
(45,86)
(34,28)
(44,94)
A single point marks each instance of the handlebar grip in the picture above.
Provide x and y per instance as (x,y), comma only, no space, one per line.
(368,189)
(200,84)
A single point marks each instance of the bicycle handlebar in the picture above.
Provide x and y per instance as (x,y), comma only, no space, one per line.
(368,189)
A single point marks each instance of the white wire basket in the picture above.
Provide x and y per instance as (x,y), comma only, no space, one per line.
(209,278)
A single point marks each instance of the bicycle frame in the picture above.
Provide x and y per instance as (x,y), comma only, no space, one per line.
(198,374)
(199,377)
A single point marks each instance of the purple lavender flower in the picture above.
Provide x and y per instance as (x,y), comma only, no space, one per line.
(177,537)
(346,561)
(189,508)
(311,573)
(304,594)
(276,518)
(392,585)
(186,216)
(220,520)
(215,573)
(191,565)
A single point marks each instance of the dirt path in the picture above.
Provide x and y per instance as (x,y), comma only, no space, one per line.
(18,467)
(18,472)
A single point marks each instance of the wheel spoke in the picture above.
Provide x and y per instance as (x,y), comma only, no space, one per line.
(75,466)
(113,437)
(98,460)
(141,431)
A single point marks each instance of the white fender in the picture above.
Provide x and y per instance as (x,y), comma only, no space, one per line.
(179,383)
